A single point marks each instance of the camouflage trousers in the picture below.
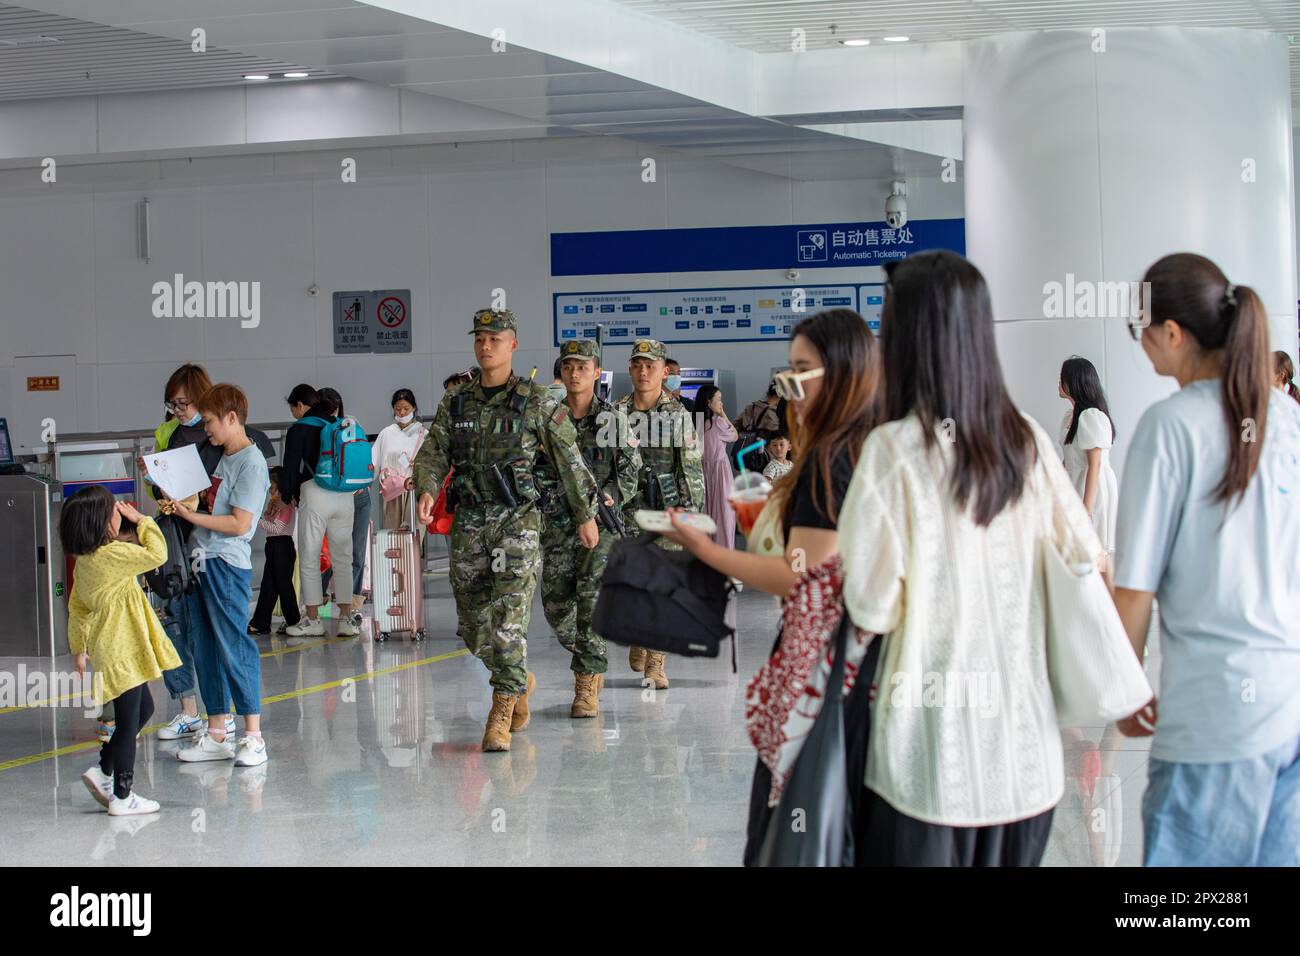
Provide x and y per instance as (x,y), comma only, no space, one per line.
(494,558)
(570,584)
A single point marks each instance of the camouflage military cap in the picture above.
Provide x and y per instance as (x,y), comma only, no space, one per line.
(580,348)
(494,320)
(649,349)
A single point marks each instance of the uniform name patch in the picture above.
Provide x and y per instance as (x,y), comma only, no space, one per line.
(560,415)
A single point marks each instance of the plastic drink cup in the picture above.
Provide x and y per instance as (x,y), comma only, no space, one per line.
(748,496)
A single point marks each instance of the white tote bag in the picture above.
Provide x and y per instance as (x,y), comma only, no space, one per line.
(1096,678)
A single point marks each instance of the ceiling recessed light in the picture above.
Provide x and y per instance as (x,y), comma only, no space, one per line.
(256,76)
(296,75)
(897,39)
(855,42)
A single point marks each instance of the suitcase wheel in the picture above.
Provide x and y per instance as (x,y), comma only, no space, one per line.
(383,636)
(420,635)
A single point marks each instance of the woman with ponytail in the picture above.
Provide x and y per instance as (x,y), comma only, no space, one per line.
(1210,494)
(1283,373)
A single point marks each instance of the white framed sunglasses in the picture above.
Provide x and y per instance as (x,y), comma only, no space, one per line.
(789,385)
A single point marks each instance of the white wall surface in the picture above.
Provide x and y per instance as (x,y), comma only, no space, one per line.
(75,286)
(1097,164)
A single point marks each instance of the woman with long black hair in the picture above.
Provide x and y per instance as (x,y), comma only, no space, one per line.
(1087,434)
(1209,523)
(953,495)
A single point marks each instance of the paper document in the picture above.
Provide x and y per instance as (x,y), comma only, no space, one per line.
(179,472)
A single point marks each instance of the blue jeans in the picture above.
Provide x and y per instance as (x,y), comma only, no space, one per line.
(226,657)
(180,681)
(1238,813)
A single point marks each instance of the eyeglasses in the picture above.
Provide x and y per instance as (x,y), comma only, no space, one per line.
(789,385)
(1135,326)
(177,405)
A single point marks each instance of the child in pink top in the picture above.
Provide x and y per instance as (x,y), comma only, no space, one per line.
(279,521)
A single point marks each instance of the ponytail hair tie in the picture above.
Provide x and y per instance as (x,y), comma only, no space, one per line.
(1230,295)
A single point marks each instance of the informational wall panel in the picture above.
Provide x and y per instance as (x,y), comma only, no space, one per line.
(742,314)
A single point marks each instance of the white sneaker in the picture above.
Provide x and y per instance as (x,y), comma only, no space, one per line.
(347,628)
(99,784)
(183,725)
(252,752)
(357,617)
(133,805)
(306,628)
(205,748)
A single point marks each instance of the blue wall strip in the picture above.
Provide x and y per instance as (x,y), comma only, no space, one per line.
(730,248)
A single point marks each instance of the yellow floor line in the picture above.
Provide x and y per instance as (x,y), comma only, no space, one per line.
(273,699)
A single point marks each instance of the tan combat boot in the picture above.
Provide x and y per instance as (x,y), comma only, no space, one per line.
(636,658)
(522,713)
(586,695)
(654,671)
(497,734)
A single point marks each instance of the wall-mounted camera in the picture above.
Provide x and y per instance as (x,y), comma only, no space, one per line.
(792,274)
(896,207)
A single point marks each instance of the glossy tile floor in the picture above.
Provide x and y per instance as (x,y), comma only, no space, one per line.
(375,759)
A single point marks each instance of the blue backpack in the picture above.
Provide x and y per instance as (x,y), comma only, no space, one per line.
(345,462)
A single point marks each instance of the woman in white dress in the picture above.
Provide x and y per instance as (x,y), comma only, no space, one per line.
(1087,434)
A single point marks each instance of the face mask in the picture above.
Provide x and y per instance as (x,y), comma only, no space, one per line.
(673,383)
(558,392)
(404,419)
(198,417)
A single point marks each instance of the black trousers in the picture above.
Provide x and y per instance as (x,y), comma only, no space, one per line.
(895,839)
(277,584)
(117,757)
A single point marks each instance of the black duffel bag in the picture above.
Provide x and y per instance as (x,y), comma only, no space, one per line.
(663,600)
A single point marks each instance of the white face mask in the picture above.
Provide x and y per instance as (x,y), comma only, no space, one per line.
(198,417)
(404,419)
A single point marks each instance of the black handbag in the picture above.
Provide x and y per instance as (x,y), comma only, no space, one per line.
(813,823)
(662,600)
(174,576)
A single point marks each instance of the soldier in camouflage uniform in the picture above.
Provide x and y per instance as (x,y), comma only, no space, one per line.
(491,435)
(672,462)
(570,573)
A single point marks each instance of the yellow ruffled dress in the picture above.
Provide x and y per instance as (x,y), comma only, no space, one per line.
(109,617)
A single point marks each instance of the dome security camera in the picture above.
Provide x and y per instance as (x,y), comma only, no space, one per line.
(896,207)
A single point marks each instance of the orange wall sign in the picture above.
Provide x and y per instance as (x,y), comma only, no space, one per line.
(42,383)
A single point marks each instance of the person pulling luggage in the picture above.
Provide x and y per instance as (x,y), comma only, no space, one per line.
(490,430)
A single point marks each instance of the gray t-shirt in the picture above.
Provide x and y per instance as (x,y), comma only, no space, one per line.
(1225,577)
(244,483)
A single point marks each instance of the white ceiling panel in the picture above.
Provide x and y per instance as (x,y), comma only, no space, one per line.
(766,26)
(44,55)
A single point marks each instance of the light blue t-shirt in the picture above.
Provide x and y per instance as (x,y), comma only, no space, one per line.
(244,483)
(1227,579)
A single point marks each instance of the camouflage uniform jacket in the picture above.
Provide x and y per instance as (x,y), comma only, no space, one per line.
(471,433)
(615,465)
(672,462)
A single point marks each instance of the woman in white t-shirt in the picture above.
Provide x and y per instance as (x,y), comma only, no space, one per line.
(393,453)
(1087,434)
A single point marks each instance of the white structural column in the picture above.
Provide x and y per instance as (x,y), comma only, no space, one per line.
(1092,154)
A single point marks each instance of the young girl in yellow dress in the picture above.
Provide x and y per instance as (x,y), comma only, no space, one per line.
(110,621)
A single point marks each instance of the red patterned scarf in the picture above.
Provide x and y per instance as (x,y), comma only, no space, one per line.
(785,696)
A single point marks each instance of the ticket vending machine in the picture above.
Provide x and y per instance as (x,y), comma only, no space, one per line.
(694,378)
